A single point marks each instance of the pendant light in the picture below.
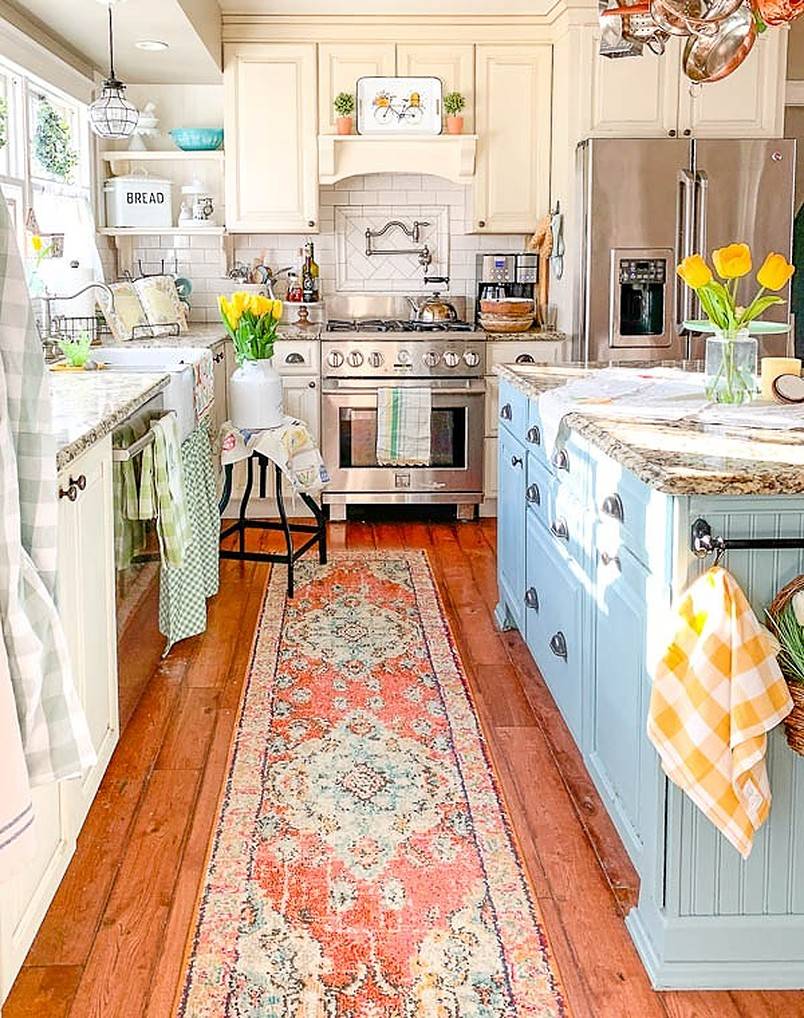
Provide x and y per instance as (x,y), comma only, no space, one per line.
(112,115)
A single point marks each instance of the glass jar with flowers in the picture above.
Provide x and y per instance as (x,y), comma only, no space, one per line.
(731,351)
(255,388)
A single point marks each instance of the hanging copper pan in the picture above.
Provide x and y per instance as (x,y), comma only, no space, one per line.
(712,57)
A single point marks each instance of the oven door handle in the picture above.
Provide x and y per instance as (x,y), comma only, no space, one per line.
(435,392)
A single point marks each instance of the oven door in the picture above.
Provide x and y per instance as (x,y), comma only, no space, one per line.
(349,430)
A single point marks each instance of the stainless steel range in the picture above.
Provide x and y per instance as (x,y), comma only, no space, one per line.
(360,356)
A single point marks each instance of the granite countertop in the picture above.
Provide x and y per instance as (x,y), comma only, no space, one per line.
(532,335)
(683,457)
(87,405)
(197,335)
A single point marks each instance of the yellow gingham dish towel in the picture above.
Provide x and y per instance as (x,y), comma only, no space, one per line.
(717,691)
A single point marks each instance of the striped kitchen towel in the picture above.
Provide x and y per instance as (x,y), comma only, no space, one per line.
(717,691)
(163,493)
(55,736)
(404,426)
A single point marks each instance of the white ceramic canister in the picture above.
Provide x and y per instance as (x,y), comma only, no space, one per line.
(255,396)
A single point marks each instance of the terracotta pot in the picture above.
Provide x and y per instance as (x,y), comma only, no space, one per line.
(455,125)
(343,125)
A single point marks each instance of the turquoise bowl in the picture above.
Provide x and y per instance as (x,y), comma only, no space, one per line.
(198,139)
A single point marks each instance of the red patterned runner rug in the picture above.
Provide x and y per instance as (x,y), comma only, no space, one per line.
(362,865)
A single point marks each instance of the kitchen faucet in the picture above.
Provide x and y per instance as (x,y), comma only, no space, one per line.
(50,338)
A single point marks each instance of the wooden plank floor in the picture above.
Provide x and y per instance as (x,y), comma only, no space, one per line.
(111,945)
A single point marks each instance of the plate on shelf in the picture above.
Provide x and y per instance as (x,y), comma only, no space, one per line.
(754,328)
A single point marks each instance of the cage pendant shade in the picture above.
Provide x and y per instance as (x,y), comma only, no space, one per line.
(112,115)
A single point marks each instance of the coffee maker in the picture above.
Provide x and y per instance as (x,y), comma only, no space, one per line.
(498,276)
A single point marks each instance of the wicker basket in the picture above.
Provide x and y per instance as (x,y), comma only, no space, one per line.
(794,722)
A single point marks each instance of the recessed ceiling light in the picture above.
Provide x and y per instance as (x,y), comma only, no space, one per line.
(152,45)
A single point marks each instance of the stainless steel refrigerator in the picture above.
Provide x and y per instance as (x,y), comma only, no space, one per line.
(647,203)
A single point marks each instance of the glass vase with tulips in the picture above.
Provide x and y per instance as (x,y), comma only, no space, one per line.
(731,354)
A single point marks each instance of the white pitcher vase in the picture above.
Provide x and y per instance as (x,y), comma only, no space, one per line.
(255,396)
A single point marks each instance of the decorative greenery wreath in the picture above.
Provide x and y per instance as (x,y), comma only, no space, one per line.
(52,142)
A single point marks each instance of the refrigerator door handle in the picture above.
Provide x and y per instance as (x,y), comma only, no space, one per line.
(685,240)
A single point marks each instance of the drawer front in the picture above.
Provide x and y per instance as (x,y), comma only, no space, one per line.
(512,409)
(622,503)
(568,525)
(538,487)
(569,461)
(521,351)
(553,624)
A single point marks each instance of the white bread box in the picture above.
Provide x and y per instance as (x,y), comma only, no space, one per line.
(138,201)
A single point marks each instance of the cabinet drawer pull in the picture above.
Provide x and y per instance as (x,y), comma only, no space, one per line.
(534,435)
(71,493)
(613,506)
(611,560)
(505,412)
(532,599)
(516,461)
(533,495)
(558,645)
(524,358)
(80,482)
(218,357)
(560,529)
(560,460)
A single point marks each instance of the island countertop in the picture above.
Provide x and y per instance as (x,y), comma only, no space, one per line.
(87,405)
(680,457)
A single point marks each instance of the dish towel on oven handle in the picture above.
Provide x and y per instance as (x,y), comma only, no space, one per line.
(404,426)
(717,691)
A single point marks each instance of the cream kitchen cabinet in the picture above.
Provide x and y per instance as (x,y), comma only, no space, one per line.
(220,374)
(302,400)
(453,64)
(86,601)
(513,102)
(339,67)
(270,118)
(650,96)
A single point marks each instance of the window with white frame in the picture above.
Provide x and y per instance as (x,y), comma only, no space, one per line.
(45,176)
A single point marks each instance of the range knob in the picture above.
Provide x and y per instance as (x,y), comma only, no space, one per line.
(375,358)
(471,358)
(403,357)
(451,358)
(355,358)
(335,358)
(431,358)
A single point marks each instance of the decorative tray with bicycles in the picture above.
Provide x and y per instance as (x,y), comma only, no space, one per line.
(403,105)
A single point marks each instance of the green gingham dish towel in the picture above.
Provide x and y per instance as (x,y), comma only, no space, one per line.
(184,589)
(404,426)
(129,530)
(55,736)
(163,494)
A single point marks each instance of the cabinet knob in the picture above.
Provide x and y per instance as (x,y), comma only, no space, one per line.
(532,599)
(218,357)
(560,529)
(558,645)
(687,132)
(311,222)
(611,560)
(533,495)
(672,133)
(516,461)
(613,506)
(534,435)
(311,384)
(71,492)
(560,459)
(80,482)
(481,223)
(505,412)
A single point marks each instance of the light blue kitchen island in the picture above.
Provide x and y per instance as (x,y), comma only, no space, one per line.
(594,542)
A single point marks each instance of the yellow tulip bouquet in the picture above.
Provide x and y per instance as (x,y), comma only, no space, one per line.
(251,321)
(731,354)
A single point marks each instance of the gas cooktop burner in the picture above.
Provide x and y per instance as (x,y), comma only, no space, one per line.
(394,325)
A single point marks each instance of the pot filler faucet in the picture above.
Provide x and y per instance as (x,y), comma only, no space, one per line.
(50,338)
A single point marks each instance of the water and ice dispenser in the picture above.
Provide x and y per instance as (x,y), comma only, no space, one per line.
(641,298)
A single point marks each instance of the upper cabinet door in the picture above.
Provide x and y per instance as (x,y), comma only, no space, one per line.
(634,97)
(271,148)
(512,180)
(749,103)
(454,65)
(339,67)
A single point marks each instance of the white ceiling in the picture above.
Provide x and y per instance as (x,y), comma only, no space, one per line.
(83,25)
(482,7)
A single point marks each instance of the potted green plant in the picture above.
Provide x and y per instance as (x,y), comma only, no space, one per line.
(344,103)
(454,102)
